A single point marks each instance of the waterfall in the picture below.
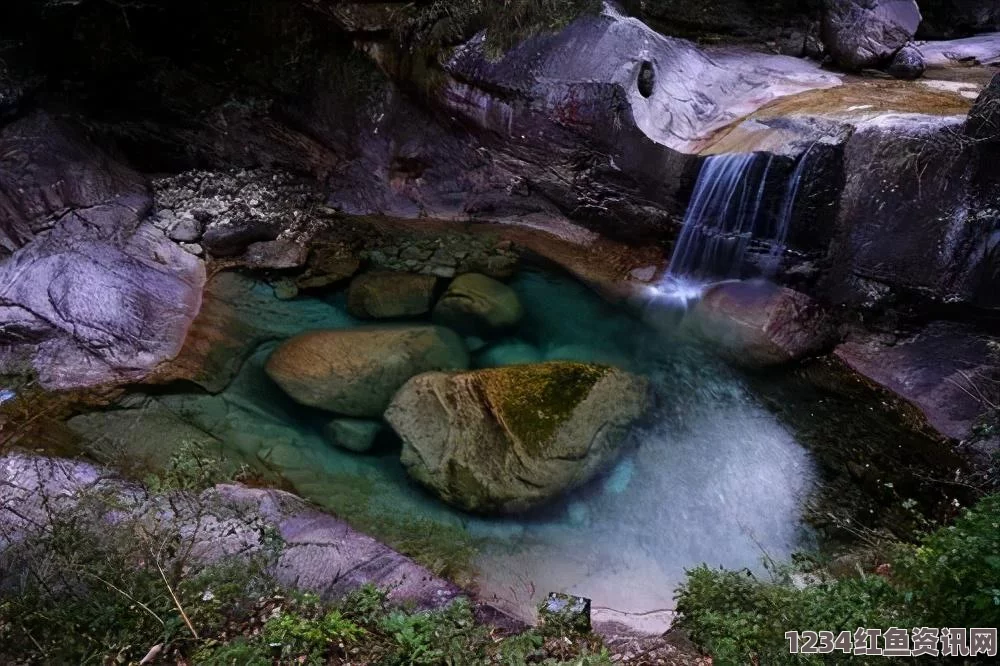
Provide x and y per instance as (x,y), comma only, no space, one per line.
(723,215)
(733,203)
(785,216)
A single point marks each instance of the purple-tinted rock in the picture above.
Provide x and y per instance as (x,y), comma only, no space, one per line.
(759,324)
(865,33)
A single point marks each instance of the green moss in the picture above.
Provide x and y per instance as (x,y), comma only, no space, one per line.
(533,401)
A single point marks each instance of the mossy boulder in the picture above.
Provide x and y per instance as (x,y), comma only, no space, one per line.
(504,440)
(387,294)
(355,372)
(478,305)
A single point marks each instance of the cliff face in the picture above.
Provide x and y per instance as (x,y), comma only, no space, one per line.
(596,129)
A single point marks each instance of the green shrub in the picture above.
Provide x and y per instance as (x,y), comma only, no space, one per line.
(950,579)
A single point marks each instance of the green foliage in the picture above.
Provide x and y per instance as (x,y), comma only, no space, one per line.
(950,579)
(425,639)
(298,635)
(954,575)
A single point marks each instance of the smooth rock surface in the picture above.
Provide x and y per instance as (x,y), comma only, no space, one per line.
(760,324)
(385,295)
(478,305)
(355,372)
(950,371)
(508,439)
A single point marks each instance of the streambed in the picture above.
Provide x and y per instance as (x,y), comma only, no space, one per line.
(711,475)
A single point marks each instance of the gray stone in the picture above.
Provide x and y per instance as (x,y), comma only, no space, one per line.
(908,63)
(276,255)
(184,229)
(866,33)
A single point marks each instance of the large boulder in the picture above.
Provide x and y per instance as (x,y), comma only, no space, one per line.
(478,305)
(866,33)
(385,294)
(508,439)
(759,324)
(92,292)
(355,372)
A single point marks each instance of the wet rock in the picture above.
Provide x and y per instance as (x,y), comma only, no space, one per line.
(478,305)
(508,352)
(565,612)
(760,324)
(285,289)
(908,63)
(508,439)
(357,435)
(384,295)
(328,265)
(865,33)
(355,372)
(907,218)
(949,371)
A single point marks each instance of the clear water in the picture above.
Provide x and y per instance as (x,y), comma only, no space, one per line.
(711,476)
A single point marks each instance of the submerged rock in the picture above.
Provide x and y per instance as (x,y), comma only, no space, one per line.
(508,439)
(356,371)
(509,352)
(384,295)
(760,324)
(478,305)
(357,435)
(865,33)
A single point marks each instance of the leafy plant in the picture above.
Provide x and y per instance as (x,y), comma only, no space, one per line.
(949,579)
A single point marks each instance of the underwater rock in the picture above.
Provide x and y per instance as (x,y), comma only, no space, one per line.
(759,324)
(384,295)
(508,439)
(357,435)
(329,264)
(864,33)
(356,371)
(478,305)
(508,352)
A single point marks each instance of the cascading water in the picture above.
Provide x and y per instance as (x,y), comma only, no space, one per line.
(732,205)
(723,216)
(787,211)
